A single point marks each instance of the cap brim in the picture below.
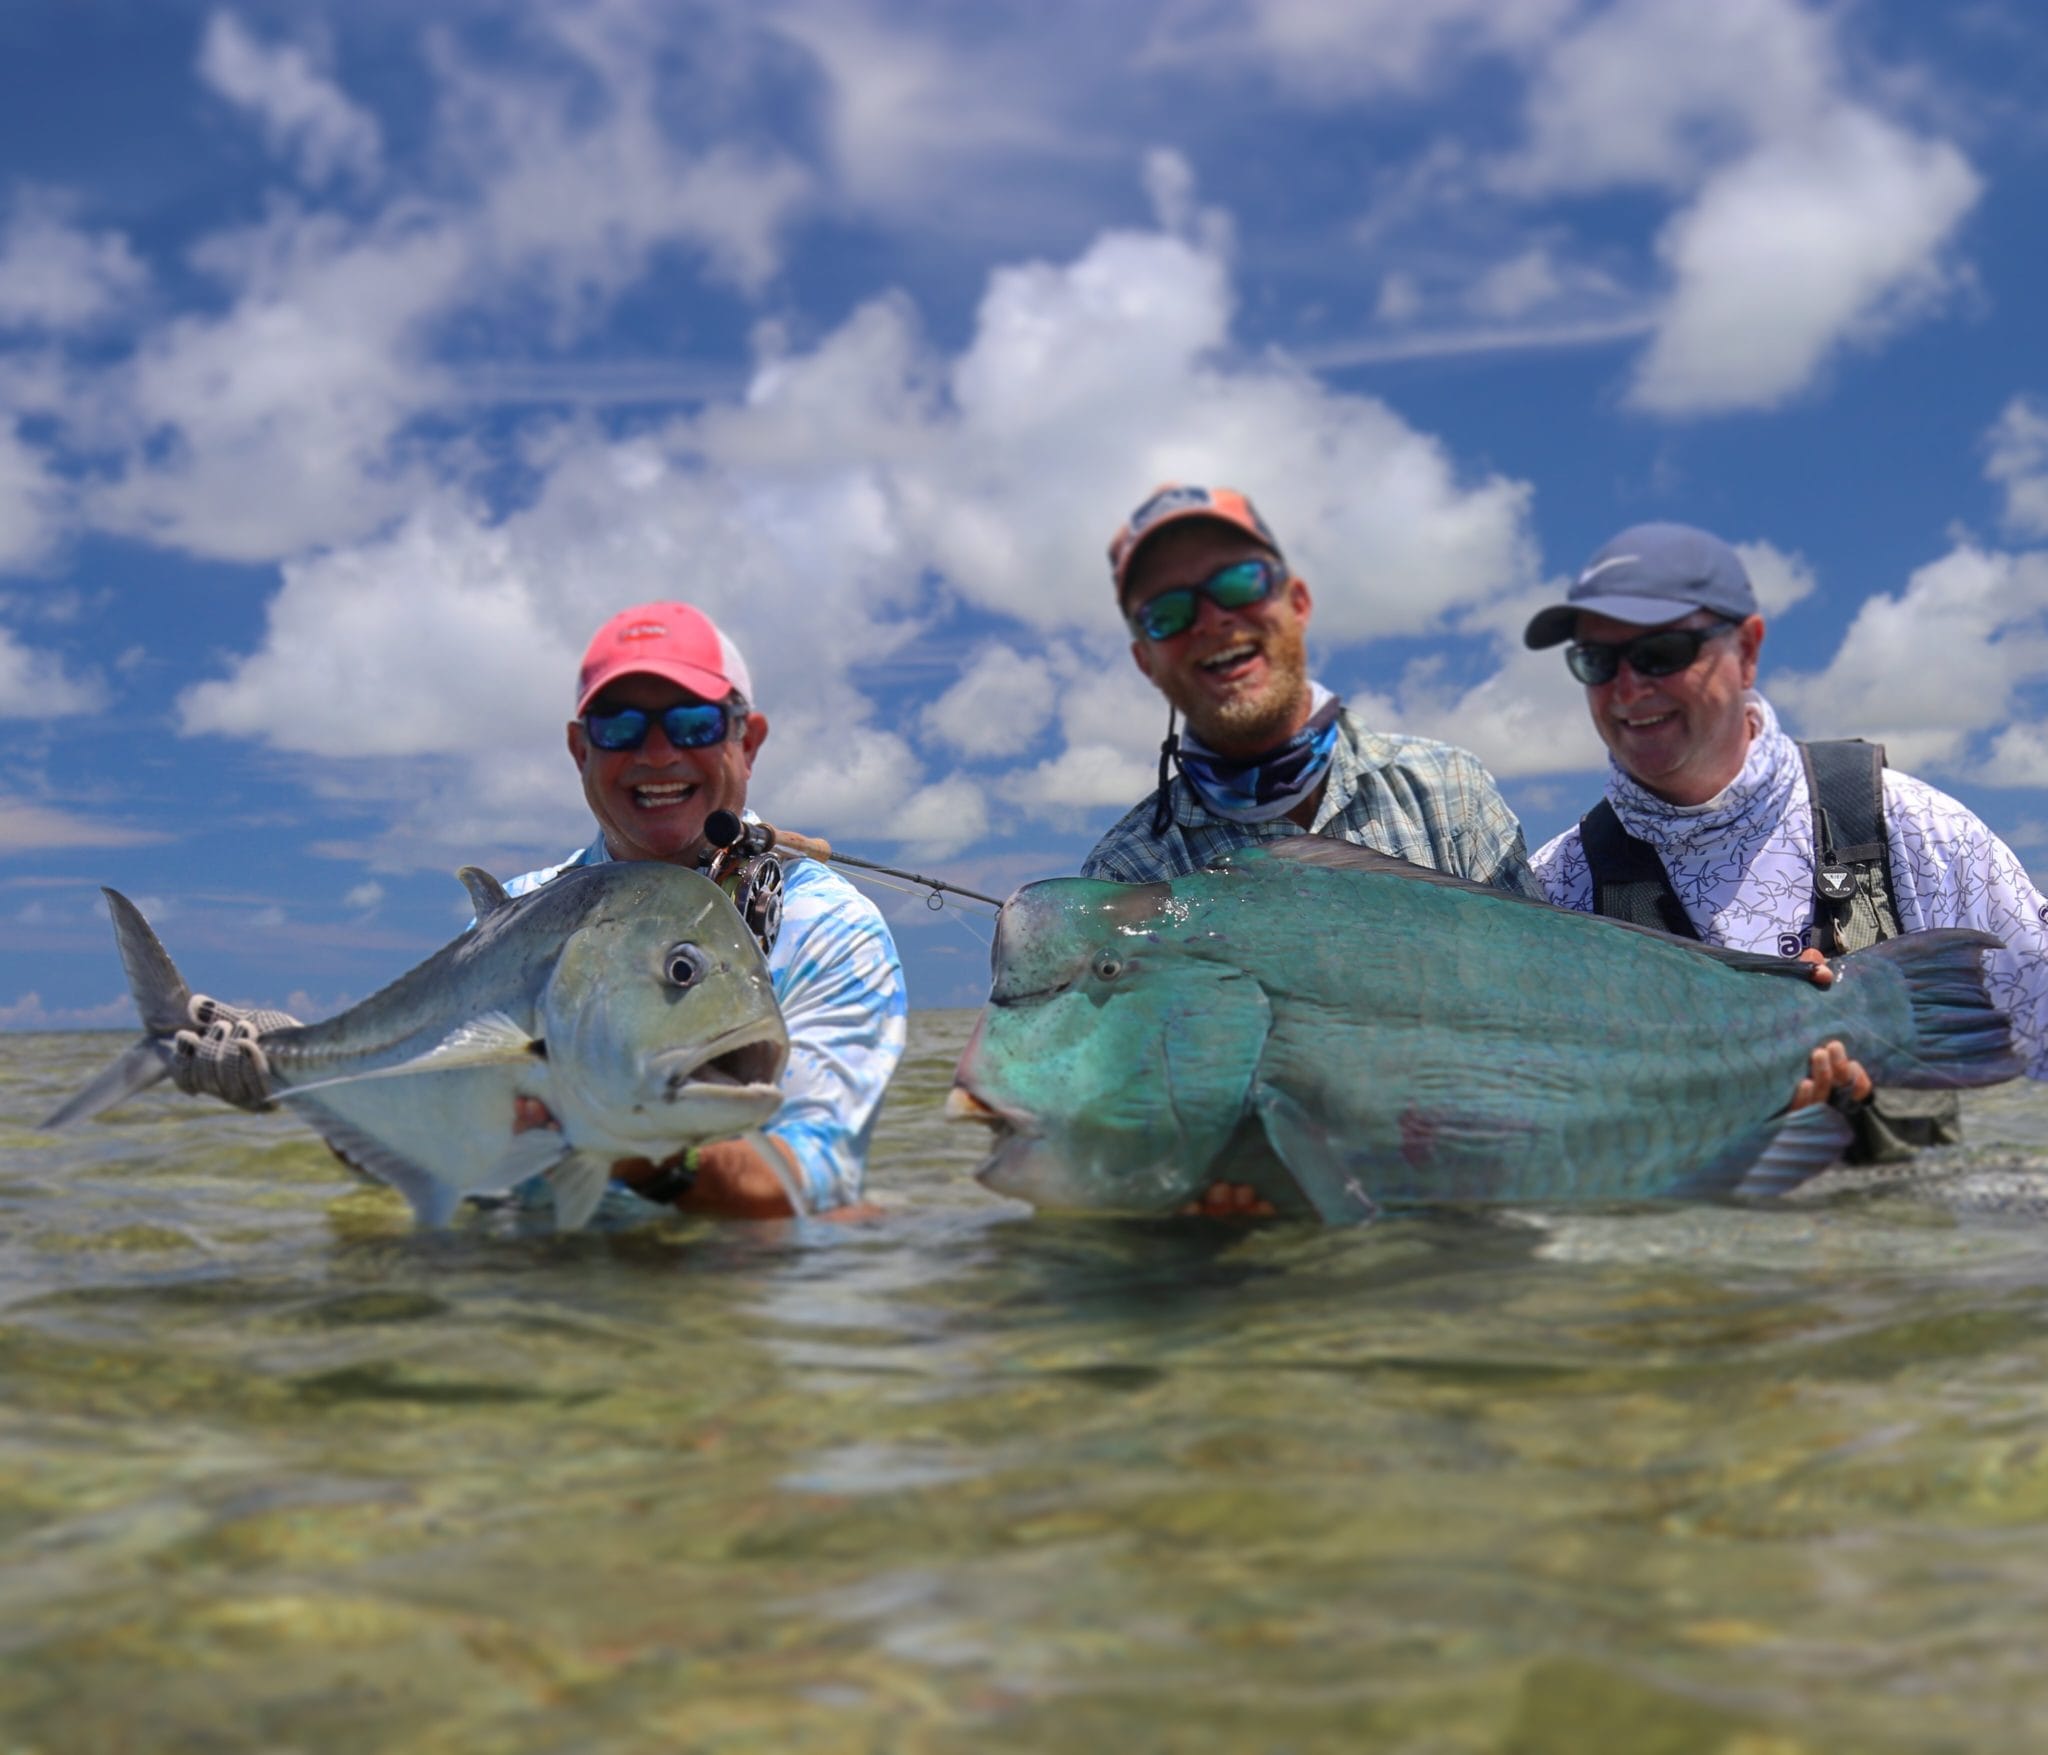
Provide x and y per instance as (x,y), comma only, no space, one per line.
(707,684)
(1122,575)
(1559,623)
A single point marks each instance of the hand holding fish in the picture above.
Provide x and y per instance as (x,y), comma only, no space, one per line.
(222,1055)
(729,1180)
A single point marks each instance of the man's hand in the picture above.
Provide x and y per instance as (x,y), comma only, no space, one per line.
(221,1056)
(1831,1077)
(1231,1200)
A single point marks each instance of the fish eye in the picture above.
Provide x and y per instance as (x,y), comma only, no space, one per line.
(1107,965)
(684,965)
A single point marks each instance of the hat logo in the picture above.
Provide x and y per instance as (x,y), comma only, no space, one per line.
(644,631)
(1592,573)
(1171,499)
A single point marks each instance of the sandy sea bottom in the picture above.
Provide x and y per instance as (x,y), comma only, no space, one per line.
(277,1475)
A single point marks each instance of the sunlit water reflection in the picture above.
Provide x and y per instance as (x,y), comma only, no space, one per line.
(278,1474)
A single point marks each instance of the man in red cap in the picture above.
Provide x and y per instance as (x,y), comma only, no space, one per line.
(665,733)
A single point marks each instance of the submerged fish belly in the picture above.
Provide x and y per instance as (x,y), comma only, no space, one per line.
(455,1125)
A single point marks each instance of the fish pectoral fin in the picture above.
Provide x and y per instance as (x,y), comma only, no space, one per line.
(431,1199)
(1331,1178)
(489,1039)
(1800,1146)
(579,1182)
(530,1154)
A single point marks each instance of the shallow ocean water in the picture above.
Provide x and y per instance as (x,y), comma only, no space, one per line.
(277,1474)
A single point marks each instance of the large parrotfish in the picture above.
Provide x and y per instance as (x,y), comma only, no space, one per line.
(1355,1034)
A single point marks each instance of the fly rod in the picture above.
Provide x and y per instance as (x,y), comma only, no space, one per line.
(724,828)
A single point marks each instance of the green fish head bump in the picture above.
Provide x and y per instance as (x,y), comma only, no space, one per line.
(1116,1055)
(660,1022)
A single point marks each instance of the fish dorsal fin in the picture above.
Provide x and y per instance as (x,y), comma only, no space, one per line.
(161,995)
(486,894)
(489,1039)
(1334,855)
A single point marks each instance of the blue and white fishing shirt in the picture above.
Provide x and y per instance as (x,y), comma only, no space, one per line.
(1742,865)
(839,984)
(1427,802)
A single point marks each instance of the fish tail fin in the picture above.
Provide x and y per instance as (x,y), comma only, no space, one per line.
(1954,1035)
(164,1002)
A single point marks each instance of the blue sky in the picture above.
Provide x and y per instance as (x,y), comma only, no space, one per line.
(352,369)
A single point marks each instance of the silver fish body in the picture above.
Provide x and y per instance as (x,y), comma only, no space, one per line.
(628,998)
(1393,1037)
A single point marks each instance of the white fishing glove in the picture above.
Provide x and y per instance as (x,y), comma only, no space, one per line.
(221,1056)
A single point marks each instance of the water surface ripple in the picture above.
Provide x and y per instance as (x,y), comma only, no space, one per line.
(277,1474)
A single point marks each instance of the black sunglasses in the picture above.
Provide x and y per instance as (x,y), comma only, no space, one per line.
(1663,653)
(689,725)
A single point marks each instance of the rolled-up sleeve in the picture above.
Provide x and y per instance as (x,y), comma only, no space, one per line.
(840,985)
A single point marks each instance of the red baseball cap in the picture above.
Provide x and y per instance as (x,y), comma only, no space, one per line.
(669,640)
(1168,504)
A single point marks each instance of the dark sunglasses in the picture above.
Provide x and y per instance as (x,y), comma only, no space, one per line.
(1664,653)
(1238,586)
(689,725)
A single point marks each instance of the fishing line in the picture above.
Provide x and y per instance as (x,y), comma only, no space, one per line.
(932,900)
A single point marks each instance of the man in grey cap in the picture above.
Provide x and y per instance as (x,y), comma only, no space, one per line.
(1717,826)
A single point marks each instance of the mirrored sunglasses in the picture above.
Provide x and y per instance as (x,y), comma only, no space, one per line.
(1236,587)
(1663,653)
(690,725)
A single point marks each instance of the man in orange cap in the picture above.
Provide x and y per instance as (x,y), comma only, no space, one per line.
(1218,623)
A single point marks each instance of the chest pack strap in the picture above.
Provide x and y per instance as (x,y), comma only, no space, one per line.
(1845,782)
(1852,854)
(1629,880)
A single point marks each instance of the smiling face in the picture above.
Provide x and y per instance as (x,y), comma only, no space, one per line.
(1683,737)
(1239,676)
(651,802)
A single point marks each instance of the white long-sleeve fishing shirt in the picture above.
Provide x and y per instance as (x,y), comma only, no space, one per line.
(1742,865)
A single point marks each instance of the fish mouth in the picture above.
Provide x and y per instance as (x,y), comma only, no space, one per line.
(1011,1132)
(964,1105)
(748,1060)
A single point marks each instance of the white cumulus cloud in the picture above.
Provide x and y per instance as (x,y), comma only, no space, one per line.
(2019,464)
(1809,242)
(55,275)
(850,478)
(1925,670)
(36,685)
(304,115)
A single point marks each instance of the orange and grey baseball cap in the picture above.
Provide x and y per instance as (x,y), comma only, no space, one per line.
(669,640)
(1169,504)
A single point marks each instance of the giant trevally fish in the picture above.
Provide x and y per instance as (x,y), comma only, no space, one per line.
(1395,1037)
(627,997)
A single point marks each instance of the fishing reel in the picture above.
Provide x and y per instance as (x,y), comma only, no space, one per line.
(744,866)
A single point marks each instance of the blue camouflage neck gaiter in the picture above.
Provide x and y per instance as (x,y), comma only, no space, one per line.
(1271,785)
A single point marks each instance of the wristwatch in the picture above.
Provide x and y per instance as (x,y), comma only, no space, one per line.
(674,1179)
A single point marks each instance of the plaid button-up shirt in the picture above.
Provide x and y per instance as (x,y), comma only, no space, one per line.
(1418,800)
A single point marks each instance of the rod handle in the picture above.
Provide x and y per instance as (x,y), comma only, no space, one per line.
(809,846)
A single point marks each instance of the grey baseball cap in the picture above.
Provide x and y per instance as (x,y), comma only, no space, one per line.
(1650,574)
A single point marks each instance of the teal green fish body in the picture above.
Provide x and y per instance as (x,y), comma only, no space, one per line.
(1400,1038)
